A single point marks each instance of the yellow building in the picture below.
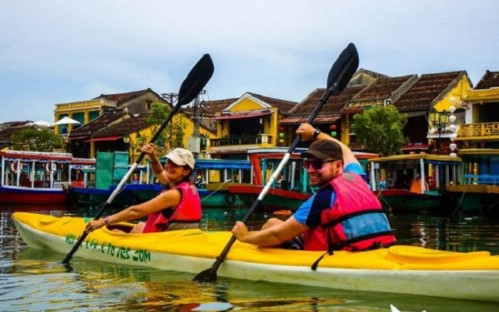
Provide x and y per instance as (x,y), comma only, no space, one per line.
(481,105)
(82,111)
(248,122)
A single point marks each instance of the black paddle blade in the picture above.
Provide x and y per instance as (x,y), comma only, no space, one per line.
(206,276)
(343,69)
(196,80)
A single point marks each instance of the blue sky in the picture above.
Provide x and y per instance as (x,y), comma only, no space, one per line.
(60,51)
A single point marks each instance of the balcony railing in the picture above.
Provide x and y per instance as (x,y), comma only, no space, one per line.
(479,130)
(242,140)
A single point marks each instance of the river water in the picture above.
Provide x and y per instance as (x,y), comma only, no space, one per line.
(35,280)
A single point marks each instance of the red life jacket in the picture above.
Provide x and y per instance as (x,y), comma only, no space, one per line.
(356,221)
(187,211)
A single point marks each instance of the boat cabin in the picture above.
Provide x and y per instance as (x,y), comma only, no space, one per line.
(27,169)
(29,177)
(213,173)
(292,176)
(418,173)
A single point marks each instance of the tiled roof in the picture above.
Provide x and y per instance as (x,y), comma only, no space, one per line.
(428,89)
(129,124)
(282,105)
(489,80)
(210,108)
(383,88)
(333,105)
(7,128)
(14,124)
(125,97)
(407,93)
(95,125)
(364,77)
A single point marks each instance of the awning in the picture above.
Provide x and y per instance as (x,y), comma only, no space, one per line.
(113,138)
(78,137)
(443,135)
(299,120)
(241,115)
(415,146)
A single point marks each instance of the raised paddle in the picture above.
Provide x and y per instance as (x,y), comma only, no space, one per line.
(339,76)
(195,81)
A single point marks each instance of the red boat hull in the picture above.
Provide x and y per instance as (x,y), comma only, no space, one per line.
(32,197)
(274,199)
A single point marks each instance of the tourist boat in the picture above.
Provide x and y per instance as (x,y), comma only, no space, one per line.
(397,269)
(96,183)
(37,178)
(478,187)
(414,182)
(215,176)
(292,190)
(287,192)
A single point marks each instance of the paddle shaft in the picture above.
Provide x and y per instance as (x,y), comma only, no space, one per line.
(339,76)
(122,183)
(272,179)
(195,81)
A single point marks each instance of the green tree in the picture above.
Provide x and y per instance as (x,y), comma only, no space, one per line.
(32,139)
(173,135)
(380,130)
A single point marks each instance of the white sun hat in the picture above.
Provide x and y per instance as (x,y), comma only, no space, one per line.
(181,157)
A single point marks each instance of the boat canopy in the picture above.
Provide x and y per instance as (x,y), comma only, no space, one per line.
(222,164)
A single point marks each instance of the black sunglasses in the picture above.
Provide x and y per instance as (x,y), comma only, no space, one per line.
(317,164)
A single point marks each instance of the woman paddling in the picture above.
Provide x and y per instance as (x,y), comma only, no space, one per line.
(177,207)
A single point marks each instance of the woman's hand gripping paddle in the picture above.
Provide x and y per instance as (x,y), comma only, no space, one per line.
(339,76)
(193,84)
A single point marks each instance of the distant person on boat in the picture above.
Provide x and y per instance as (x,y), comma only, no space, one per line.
(344,214)
(417,187)
(177,207)
(199,182)
(283,184)
(16,168)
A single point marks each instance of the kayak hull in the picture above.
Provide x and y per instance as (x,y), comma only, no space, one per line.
(398,269)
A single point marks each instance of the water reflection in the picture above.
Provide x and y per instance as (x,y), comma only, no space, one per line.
(43,285)
(35,280)
(470,233)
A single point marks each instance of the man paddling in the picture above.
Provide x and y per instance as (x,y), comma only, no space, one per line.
(343,214)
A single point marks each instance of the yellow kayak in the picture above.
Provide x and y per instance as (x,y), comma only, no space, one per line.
(398,269)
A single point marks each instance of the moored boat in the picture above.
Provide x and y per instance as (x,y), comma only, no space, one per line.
(215,176)
(39,178)
(414,182)
(477,191)
(289,191)
(96,183)
(398,269)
